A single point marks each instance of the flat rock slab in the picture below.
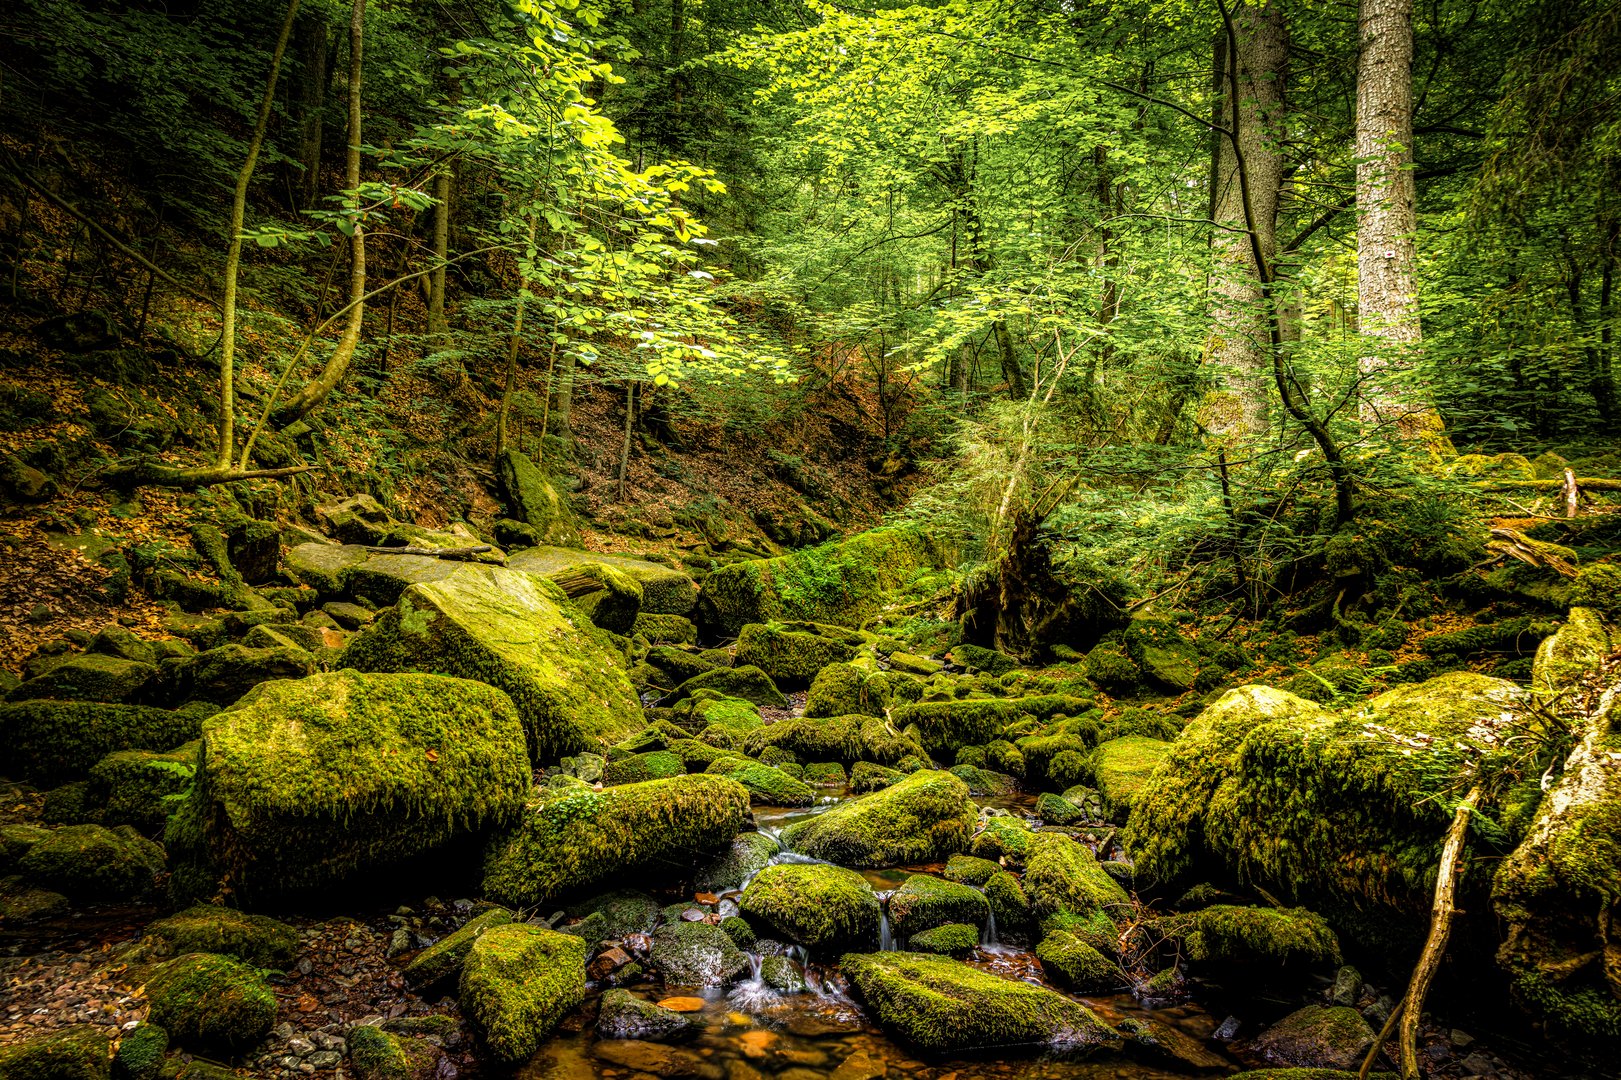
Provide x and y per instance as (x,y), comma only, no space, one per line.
(665,591)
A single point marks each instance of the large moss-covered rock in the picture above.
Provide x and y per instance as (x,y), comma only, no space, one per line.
(610,598)
(791,657)
(1318,1036)
(48,742)
(82,1052)
(1121,767)
(225,673)
(89,862)
(304,783)
(1575,653)
(444,958)
(532,499)
(140,787)
(1226,933)
(1062,875)
(611,916)
(324,567)
(941,1005)
(383,1055)
(515,632)
(769,786)
(517,983)
(840,690)
(1071,962)
(665,591)
(746,683)
(623,1015)
(946,726)
(839,583)
(257,940)
(925,817)
(665,629)
(697,954)
(951,939)
(572,841)
(748,854)
(816,905)
(836,738)
(653,765)
(91,677)
(924,901)
(211,1002)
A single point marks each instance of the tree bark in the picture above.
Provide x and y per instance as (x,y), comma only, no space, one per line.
(337,366)
(441,252)
(1240,343)
(562,400)
(306,183)
(514,342)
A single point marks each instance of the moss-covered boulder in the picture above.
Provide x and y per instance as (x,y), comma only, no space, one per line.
(610,598)
(517,633)
(791,657)
(308,782)
(623,1015)
(1071,962)
(748,854)
(89,862)
(746,683)
(941,1005)
(1062,875)
(665,629)
(377,1054)
(924,901)
(837,738)
(1003,838)
(840,689)
(257,940)
(978,658)
(724,722)
(952,939)
(866,776)
(840,582)
(141,787)
(665,591)
(655,765)
(444,958)
(770,786)
(816,905)
(140,1053)
(49,742)
(925,817)
(90,677)
(970,871)
(1318,1036)
(211,1002)
(1231,934)
(517,983)
(573,841)
(532,499)
(946,726)
(82,1052)
(697,954)
(222,675)
(1572,655)
(1120,768)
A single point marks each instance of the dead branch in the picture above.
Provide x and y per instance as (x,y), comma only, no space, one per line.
(438,553)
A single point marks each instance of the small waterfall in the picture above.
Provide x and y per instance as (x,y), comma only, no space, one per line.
(753,995)
(886,936)
(987,933)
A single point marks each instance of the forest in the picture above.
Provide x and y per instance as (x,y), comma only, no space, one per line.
(810,540)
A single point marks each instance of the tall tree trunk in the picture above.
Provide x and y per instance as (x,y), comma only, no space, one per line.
(233,247)
(561,406)
(1387,219)
(624,450)
(1239,345)
(514,342)
(337,366)
(441,252)
(306,182)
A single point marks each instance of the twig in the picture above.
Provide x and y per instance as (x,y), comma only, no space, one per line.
(1379,1040)
(438,553)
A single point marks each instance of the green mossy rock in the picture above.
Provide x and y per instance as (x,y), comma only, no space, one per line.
(970,871)
(623,1015)
(945,726)
(770,786)
(657,765)
(142,788)
(1318,1036)
(749,853)
(865,776)
(952,939)
(840,582)
(697,954)
(140,1053)
(257,940)
(15,840)
(665,591)
(211,1002)
(1120,768)
(49,742)
(377,1054)
(324,567)
(611,916)
(1159,648)
(1110,669)
(845,739)
(665,629)
(305,783)
(1572,655)
(70,1053)
(725,722)
(1062,875)
(825,774)
(1057,810)
(790,657)
(923,818)
(1004,838)
(1226,933)
(23,903)
(984,782)
(533,500)
(817,905)
(979,658)
(747,683)
(1072,963)
(517,983)
(444,958)
(89,862)
(578,840)
(515,632)
(841,690)
(224,674)
(610,598)
(924,902)
(940,1005)
(90,677)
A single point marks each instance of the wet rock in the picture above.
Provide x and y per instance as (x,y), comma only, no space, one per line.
(670,1062)
(1230,933)
(1071,962)
(1063,877)
(748,854)
(816,905)
(443,959)
(517,984)
(23,903)
(1347,986)
(623,1015)
(211,1002)
(950,939)
(697,954)
(925,817)
(71,1053)
(1318,1036)
(380,1054)
(924,902)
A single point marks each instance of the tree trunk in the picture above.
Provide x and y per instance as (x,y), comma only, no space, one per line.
(233,247)
(624,451)
(1387,219)
(1240,343)
(562,400)
(337,365)
(306,183)
(441,252)
(513,343)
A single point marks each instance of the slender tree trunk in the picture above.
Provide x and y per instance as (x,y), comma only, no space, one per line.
(624,450)
(1240,345)
(1387,220)
(441,252)
(337,365)
(513,344)
(562,401)
(306,184)
(233,247)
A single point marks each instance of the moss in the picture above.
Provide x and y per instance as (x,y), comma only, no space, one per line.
(839,690)
(665,591)
(1042,754)
(816,905)
(636,768)
(1003,837)
(1064,876)
(1057,810)
(838,738)
(90,677)
(697,954)
(1109,668)
(748,683)
(978,658)
(611,916)
(623,1015)
(840,582)
(1227,933)
(984,781)
(517,984)
(514,632)
(1574,654)
(211,1002)
(678,664)
(969,870)
(825,774)
(71,1053)
(1003,756)
(1328,1036)
(48,742)
(924,902)
(89,862)
(71,804)
(790,657)
(943,726)
(207,928)
(697,756)
(1009,904)
(665,629)
(376,1054)
(725,722)
(578,840)
(444,958)
(939,1004)
(303,783)
(140,787)
(951,939)
(925,817)
(1121,767)
(1071,962)
(738,929)
(1164,655)
(772,787)
(656,736)
(1598,586)
(140,1053)
(224,674)
(867,776)
(15,840)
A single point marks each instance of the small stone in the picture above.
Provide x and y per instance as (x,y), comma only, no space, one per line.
(693,915)
(1228,1029)
(1347,986)
(1461,1039)
(607,962)
(305,966)
(324,1059)
(398,942)
(682,1004)
(300,1046)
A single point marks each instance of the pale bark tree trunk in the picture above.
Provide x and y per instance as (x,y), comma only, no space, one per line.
(337,366)
(561,408)
(441,252)
(1240,337)
(1387,220)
